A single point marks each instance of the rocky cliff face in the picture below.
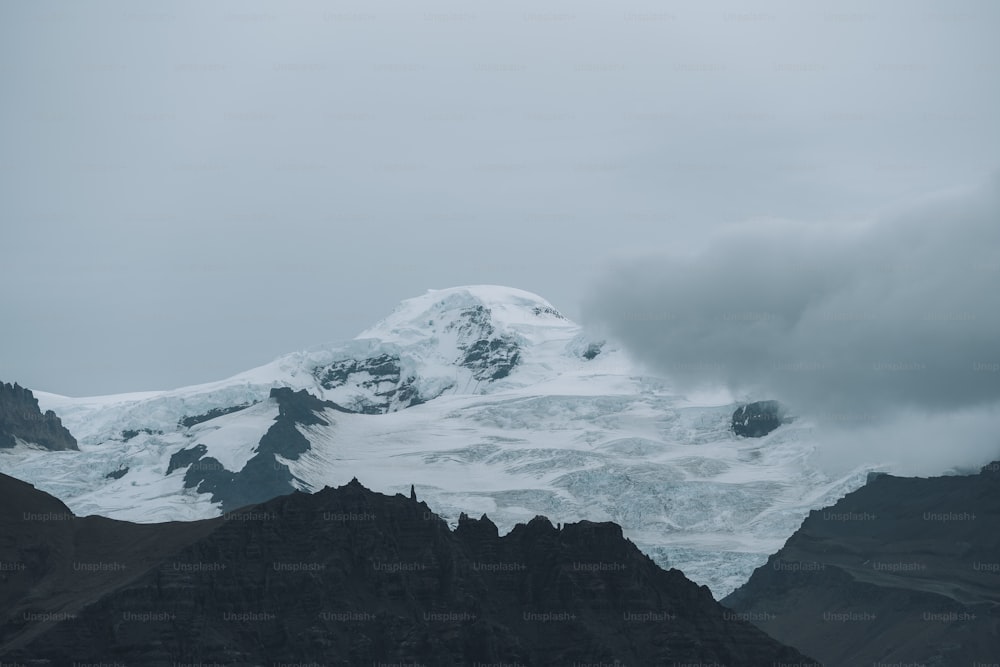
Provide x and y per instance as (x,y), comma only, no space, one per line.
(263,476)
(21,418)
(380,383)
(755,420)
(901,571)
(350,577)
(380,376)
(487,353)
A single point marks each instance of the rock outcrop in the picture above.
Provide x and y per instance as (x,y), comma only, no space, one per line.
(486,352)
(20,418)
(381,374)
(263,476)
(346,576)
(757,419)
(901,571)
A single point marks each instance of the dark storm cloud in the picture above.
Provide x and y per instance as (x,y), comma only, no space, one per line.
(845,321)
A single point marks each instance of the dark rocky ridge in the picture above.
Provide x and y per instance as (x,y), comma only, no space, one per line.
(755,420)
(21,418)
(546,310)
(117,474)
(188,422)
(262,477)
(901,571)
(53,564)
(350,577)
(393,391)
(185,457)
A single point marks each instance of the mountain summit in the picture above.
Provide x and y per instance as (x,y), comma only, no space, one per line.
(479,307)
(459,340)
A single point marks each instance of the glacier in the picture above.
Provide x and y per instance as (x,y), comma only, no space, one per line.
(488,401)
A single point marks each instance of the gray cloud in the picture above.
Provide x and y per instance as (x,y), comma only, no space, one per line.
(853,323)
(912,442)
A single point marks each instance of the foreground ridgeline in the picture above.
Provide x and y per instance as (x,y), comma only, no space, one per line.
(346,576)
(21,419)
(904,571)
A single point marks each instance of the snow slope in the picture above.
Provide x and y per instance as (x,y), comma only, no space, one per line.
(488,401)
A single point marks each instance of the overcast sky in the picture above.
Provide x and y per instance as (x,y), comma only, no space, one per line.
(190,189)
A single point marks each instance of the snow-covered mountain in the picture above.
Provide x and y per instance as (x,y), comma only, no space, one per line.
(485,398)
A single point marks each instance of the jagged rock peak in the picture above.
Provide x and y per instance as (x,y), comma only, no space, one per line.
(481,528)
(593,531)
(20,418)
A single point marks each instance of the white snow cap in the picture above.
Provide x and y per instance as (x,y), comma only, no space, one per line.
(511,310)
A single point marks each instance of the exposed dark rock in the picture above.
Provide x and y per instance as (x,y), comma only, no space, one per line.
(117,474)
(545,310)
(391,390)
(901,571)
(488,355)
(350,577)
(263,477)
(186,457)
(128,433)
(21,418)
(592,351)
(872,476)
(208,475)
(339,372)
(188,422)
(757,419)
(301,406)
(491,359)
(481,531)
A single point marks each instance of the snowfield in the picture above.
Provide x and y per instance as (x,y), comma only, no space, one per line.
(488,401)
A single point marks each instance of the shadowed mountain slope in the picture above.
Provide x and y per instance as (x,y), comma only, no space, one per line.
(901,571)
(346,576)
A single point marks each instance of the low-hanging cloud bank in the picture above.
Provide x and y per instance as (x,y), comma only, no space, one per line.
(855,324)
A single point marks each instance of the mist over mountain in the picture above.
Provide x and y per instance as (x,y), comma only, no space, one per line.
(881,330)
